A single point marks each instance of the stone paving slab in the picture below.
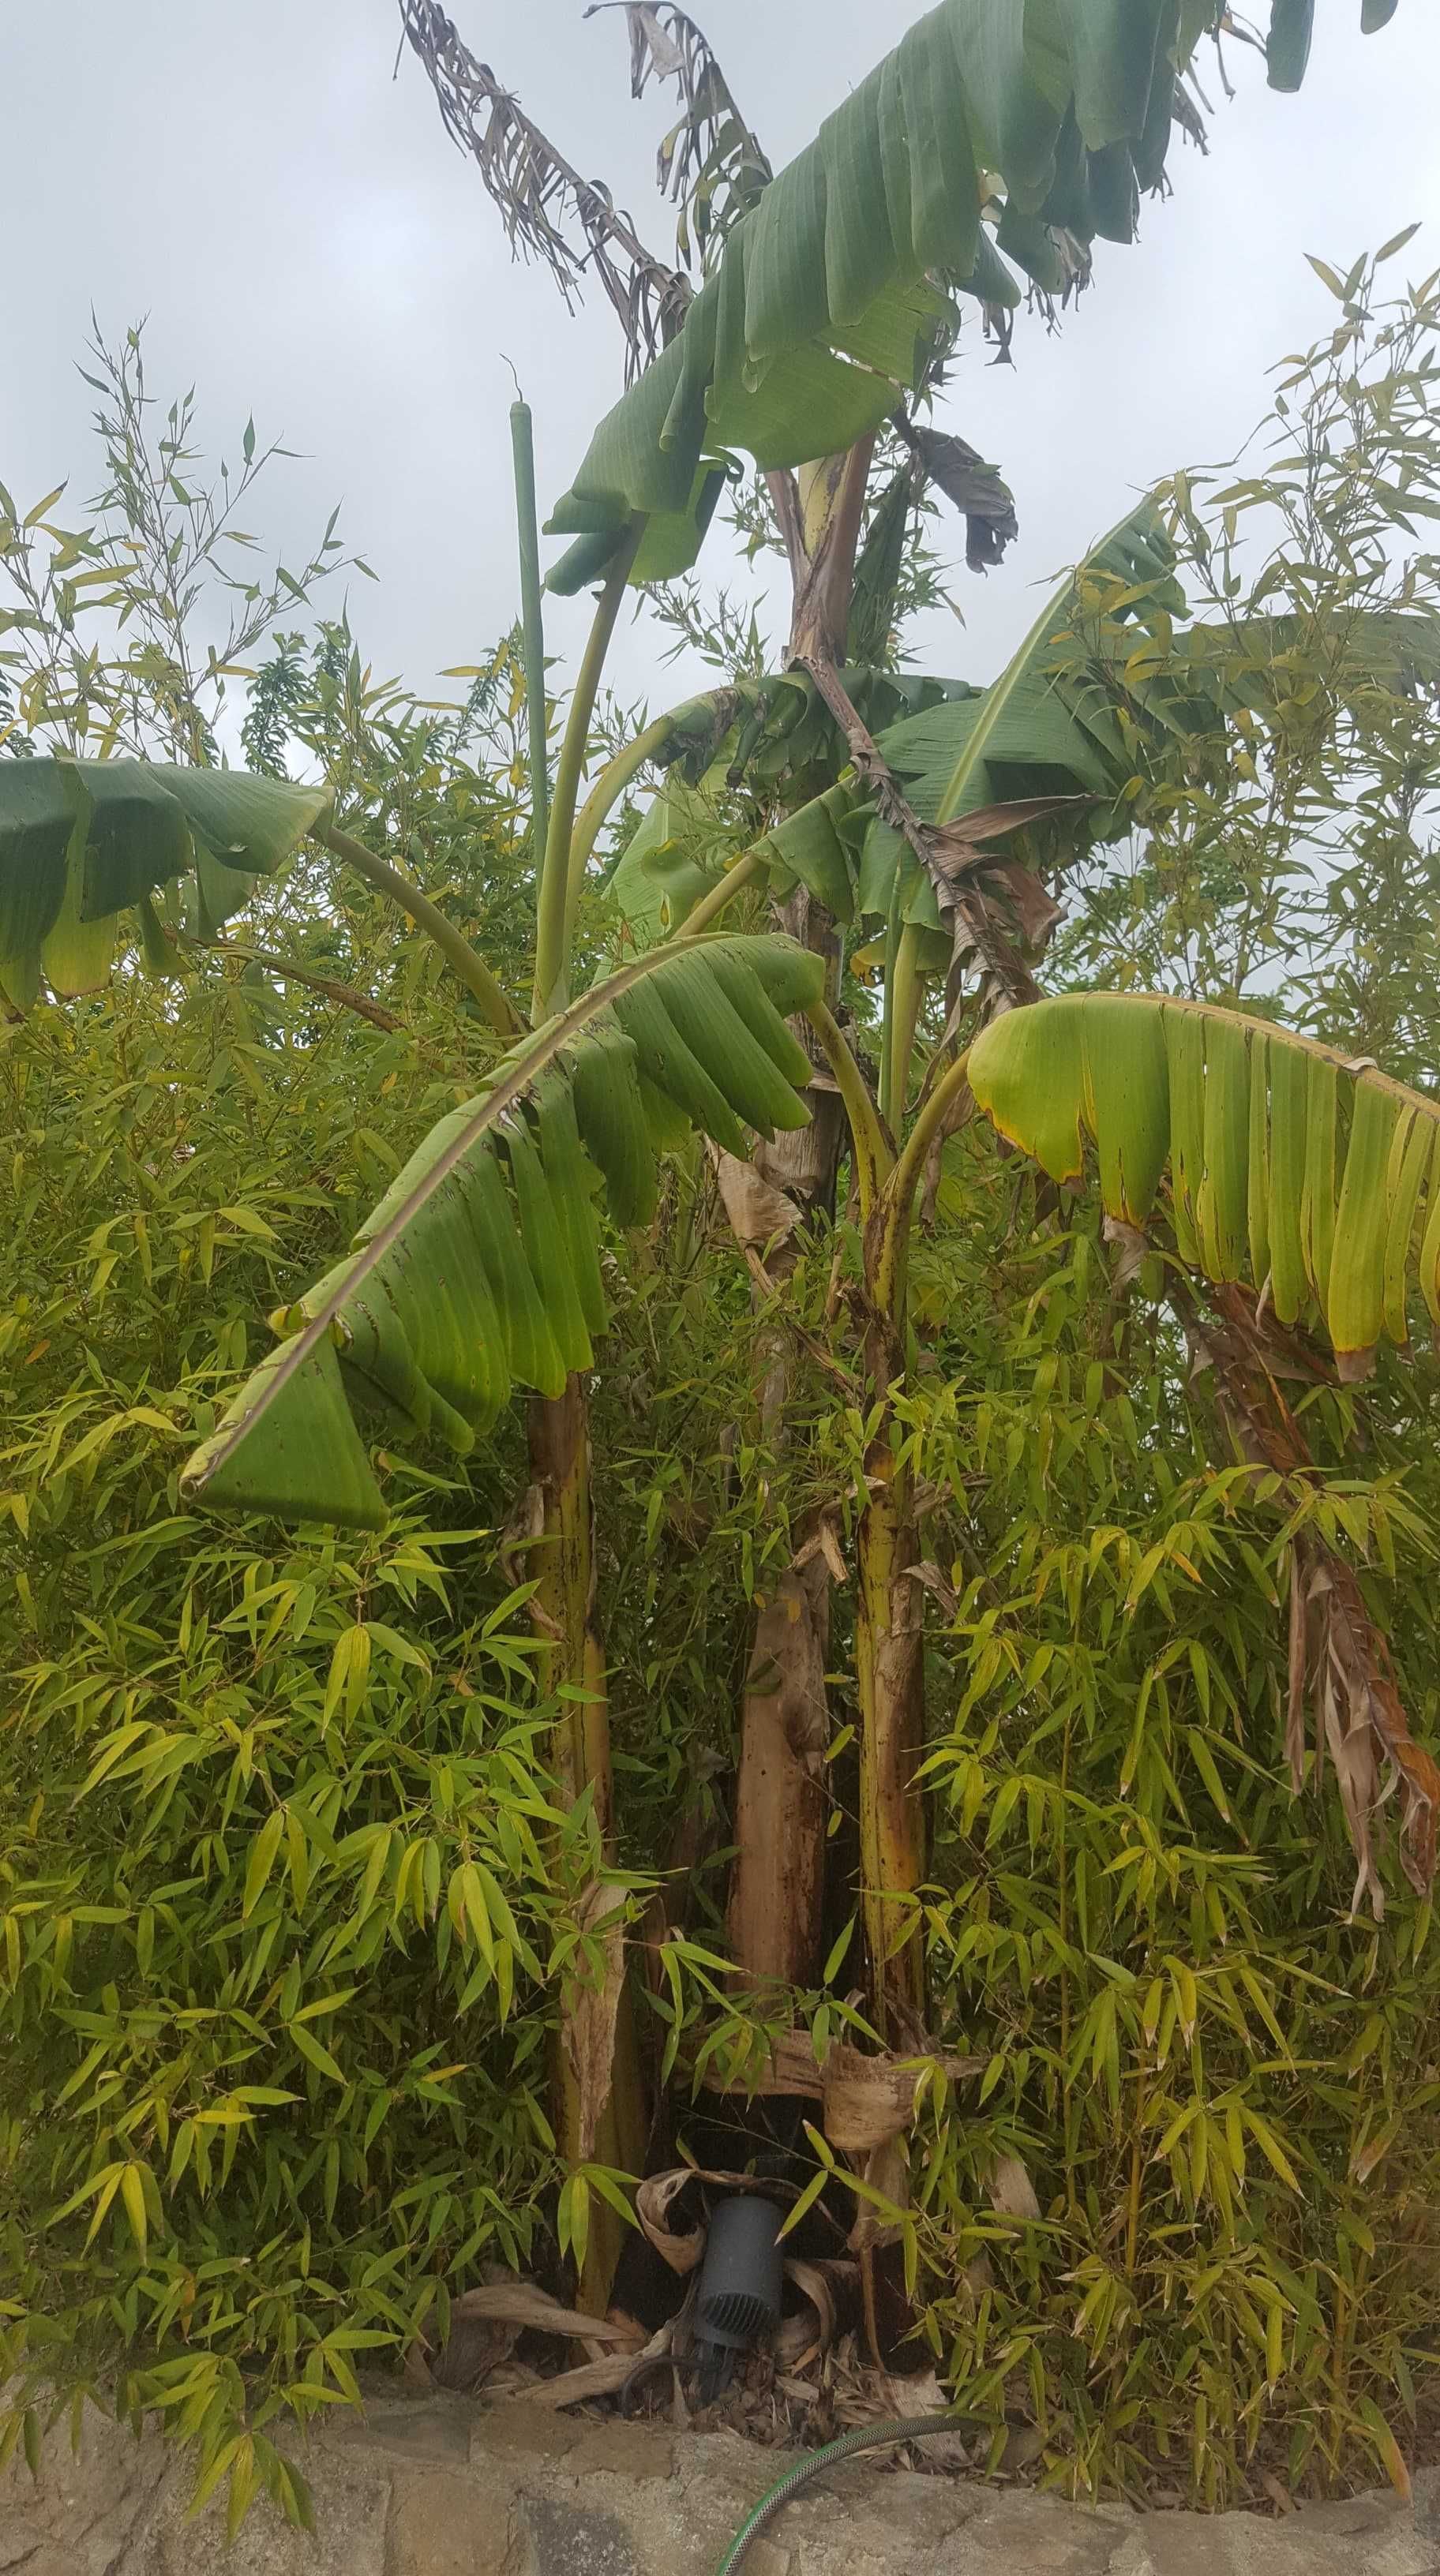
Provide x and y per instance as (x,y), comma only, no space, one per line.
(448,2487)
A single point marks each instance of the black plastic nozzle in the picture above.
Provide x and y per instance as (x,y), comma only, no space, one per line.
(738,2299)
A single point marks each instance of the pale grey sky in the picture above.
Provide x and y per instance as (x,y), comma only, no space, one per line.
(310,247)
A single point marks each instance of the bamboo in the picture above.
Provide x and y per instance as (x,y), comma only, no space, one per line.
(572,1662)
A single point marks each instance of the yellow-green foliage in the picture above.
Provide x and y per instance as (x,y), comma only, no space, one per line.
(275,1931)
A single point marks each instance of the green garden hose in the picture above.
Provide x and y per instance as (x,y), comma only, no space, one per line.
(866,2437)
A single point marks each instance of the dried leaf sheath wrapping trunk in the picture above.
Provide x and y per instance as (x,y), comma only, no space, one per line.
(600,2112)
(777,1883)
(777,1879)
(890,1679)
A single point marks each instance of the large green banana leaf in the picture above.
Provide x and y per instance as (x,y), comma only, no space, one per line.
(82,841)
(824,299)
(480,1267)
(1036,731)
(1316,1177)
(1049,724)
(786,742)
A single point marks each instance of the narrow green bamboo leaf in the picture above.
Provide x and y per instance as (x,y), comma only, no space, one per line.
(262,1856)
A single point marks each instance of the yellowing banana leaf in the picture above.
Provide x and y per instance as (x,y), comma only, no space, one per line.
(82,841)
(1316,1178)
(480,1267)
(823,300)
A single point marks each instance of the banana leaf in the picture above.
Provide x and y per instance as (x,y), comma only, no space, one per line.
(83,841)
(1316,1178)
(825,299)
(480,1267)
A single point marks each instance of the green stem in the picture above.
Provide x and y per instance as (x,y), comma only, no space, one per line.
(906,994)
(552,964)
(454,947)
(905,1179)
(887,1018)
(610,786)
(532,620)
(873,1157)
(747,871)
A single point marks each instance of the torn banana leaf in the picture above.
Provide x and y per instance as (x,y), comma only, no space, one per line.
(479,1270)
(824,299)
(1316,1178)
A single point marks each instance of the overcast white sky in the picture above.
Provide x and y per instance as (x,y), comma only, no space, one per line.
(310,247)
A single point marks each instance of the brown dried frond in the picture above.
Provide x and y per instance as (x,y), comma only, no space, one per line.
(711,164)
(1340,1664)
(549,212)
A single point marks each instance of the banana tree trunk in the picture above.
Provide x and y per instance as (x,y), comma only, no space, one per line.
(597,2094)
(777,1881)
(890,1681)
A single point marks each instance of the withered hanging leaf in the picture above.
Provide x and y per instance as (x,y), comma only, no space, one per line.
(977,490)
(757,1211)
(711,162)
(537,191)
